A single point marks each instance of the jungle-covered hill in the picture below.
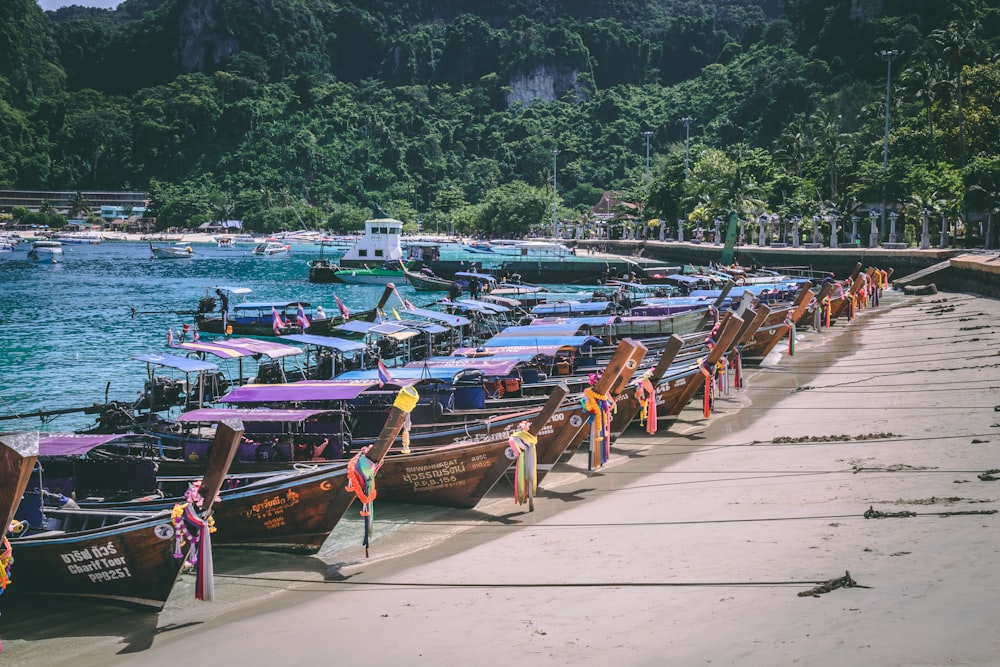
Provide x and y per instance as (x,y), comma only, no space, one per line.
(319,113)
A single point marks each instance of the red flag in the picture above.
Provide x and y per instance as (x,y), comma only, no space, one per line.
(383,374)
(301,318)
(343,309)
(276,322)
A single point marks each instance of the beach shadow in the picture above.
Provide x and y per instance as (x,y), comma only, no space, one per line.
(249,562)
(567,497)
(32,618)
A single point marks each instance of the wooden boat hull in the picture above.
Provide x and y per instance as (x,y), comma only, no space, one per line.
(214,325)
(131,563)
(292,512)
(426,283)
(457,475)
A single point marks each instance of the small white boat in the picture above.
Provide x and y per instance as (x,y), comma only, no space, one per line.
(178,251)
(40,249)
(225,242)
(80,238)
(271,248)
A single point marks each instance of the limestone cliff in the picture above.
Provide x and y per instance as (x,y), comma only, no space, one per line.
(545,82)
(202,43)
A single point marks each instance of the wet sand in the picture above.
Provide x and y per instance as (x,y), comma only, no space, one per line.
(700,545)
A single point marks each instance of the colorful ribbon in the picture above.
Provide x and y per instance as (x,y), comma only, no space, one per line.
(190,527)
(361,480)
(645,393)
(599,407)
(523,447)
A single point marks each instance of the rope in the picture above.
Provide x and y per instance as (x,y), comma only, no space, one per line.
(845,581)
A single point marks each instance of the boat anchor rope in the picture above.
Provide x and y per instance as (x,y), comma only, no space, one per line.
(846,581)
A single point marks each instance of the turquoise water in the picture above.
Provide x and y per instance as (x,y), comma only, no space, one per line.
(66,331)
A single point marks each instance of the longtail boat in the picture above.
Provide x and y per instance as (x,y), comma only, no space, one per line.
(676,390)
(130,558)
(594,410)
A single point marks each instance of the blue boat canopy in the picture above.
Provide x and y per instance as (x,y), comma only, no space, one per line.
(262,305)
(450,320)
(445,374)
(572,307)
(687,280)
(183,364)
(535,330)
(595,321)
(528,342)
(339,344)
(485,277)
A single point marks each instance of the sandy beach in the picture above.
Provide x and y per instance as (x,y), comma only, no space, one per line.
(723,541)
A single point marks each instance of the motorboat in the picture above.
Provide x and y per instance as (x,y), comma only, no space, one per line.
(178,251)
(271,249)
(40,249)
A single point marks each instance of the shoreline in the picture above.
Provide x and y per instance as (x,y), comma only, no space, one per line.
(711,528)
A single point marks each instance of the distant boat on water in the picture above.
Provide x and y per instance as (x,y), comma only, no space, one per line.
(270,249)
(179,251)
(42,249)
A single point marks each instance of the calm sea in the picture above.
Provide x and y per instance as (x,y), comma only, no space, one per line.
(66,331)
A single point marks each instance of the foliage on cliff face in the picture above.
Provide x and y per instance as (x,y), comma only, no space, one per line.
(315,111)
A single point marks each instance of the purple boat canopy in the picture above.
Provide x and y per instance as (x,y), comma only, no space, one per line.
(235,348)
(207,415)
(308,390)
(488,365)
(74,444)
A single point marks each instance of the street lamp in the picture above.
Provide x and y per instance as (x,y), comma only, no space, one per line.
(925,234)
(795,230)
(854,228)
(762,232)
(892,226)
(873,238)
(887,56)
(555,152)
(647,134)
(687,143)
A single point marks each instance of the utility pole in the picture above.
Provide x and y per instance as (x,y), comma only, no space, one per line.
(555,152)
(887,56)
(646,134)
(687,120)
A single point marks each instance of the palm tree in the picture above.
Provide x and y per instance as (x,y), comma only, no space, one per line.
(829,143)
(923,80)
(793,145)
(77,204)
(955,41)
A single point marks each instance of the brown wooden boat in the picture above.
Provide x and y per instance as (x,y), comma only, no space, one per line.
(460,474)
(679,386)
(291,510)
(123,557)
(613,381)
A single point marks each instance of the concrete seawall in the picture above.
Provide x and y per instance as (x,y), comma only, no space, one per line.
(960,271)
